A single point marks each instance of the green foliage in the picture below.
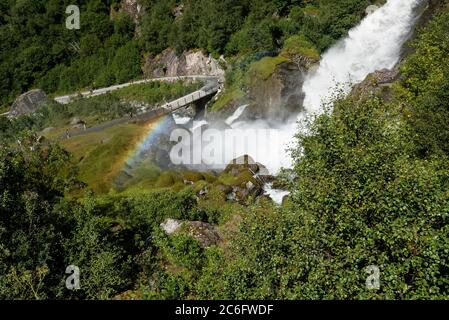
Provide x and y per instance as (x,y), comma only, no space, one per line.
(96,109)
(371,178)
(38,52)
(241,27)
(157,92)
(93,110)
(300,45)
(425,87)
(32,232)
(264,68)
(42,233)
(362,198)
(184,251)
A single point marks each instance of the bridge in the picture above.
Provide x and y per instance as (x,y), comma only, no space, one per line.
(211,87)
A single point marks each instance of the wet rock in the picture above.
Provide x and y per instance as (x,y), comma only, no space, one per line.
(279,96)
(186,112)
(220,125)
(263,171)
(371,9)
(248,184)
(240,164)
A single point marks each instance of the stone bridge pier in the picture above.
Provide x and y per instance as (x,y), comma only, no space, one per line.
(200,106)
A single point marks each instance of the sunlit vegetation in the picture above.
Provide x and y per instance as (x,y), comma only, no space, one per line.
(153,93)
(369,185)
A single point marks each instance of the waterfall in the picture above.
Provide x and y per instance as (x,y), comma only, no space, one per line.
(237,114)
(375,44)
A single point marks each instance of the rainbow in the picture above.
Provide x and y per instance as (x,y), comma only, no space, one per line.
(151,129)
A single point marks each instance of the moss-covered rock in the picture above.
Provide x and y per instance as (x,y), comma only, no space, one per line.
(276,94)
(300,50)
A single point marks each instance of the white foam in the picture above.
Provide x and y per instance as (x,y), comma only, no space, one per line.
(237,114)
(276,195)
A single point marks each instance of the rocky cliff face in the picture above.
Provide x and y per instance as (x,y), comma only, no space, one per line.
(132,8)
(28,102)
(279,96)
(171,64)
(376,84)
(275,97)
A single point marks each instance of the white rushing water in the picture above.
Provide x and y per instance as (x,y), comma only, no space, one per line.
(276,195)
(237,114)
(373,45)
(181,119)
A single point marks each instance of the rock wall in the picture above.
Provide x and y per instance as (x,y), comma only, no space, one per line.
(132,8)
(171,64)
(278,97)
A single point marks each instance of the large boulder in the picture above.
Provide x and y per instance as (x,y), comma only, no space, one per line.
(205,233)
(248,179)
(28,102)
(278,96)
(376,84)
(240,164)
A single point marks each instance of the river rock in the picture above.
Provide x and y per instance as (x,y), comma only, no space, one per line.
(240,164)
(248,183)
(371,9)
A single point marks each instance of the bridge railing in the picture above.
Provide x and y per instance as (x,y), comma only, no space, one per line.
(195,96)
